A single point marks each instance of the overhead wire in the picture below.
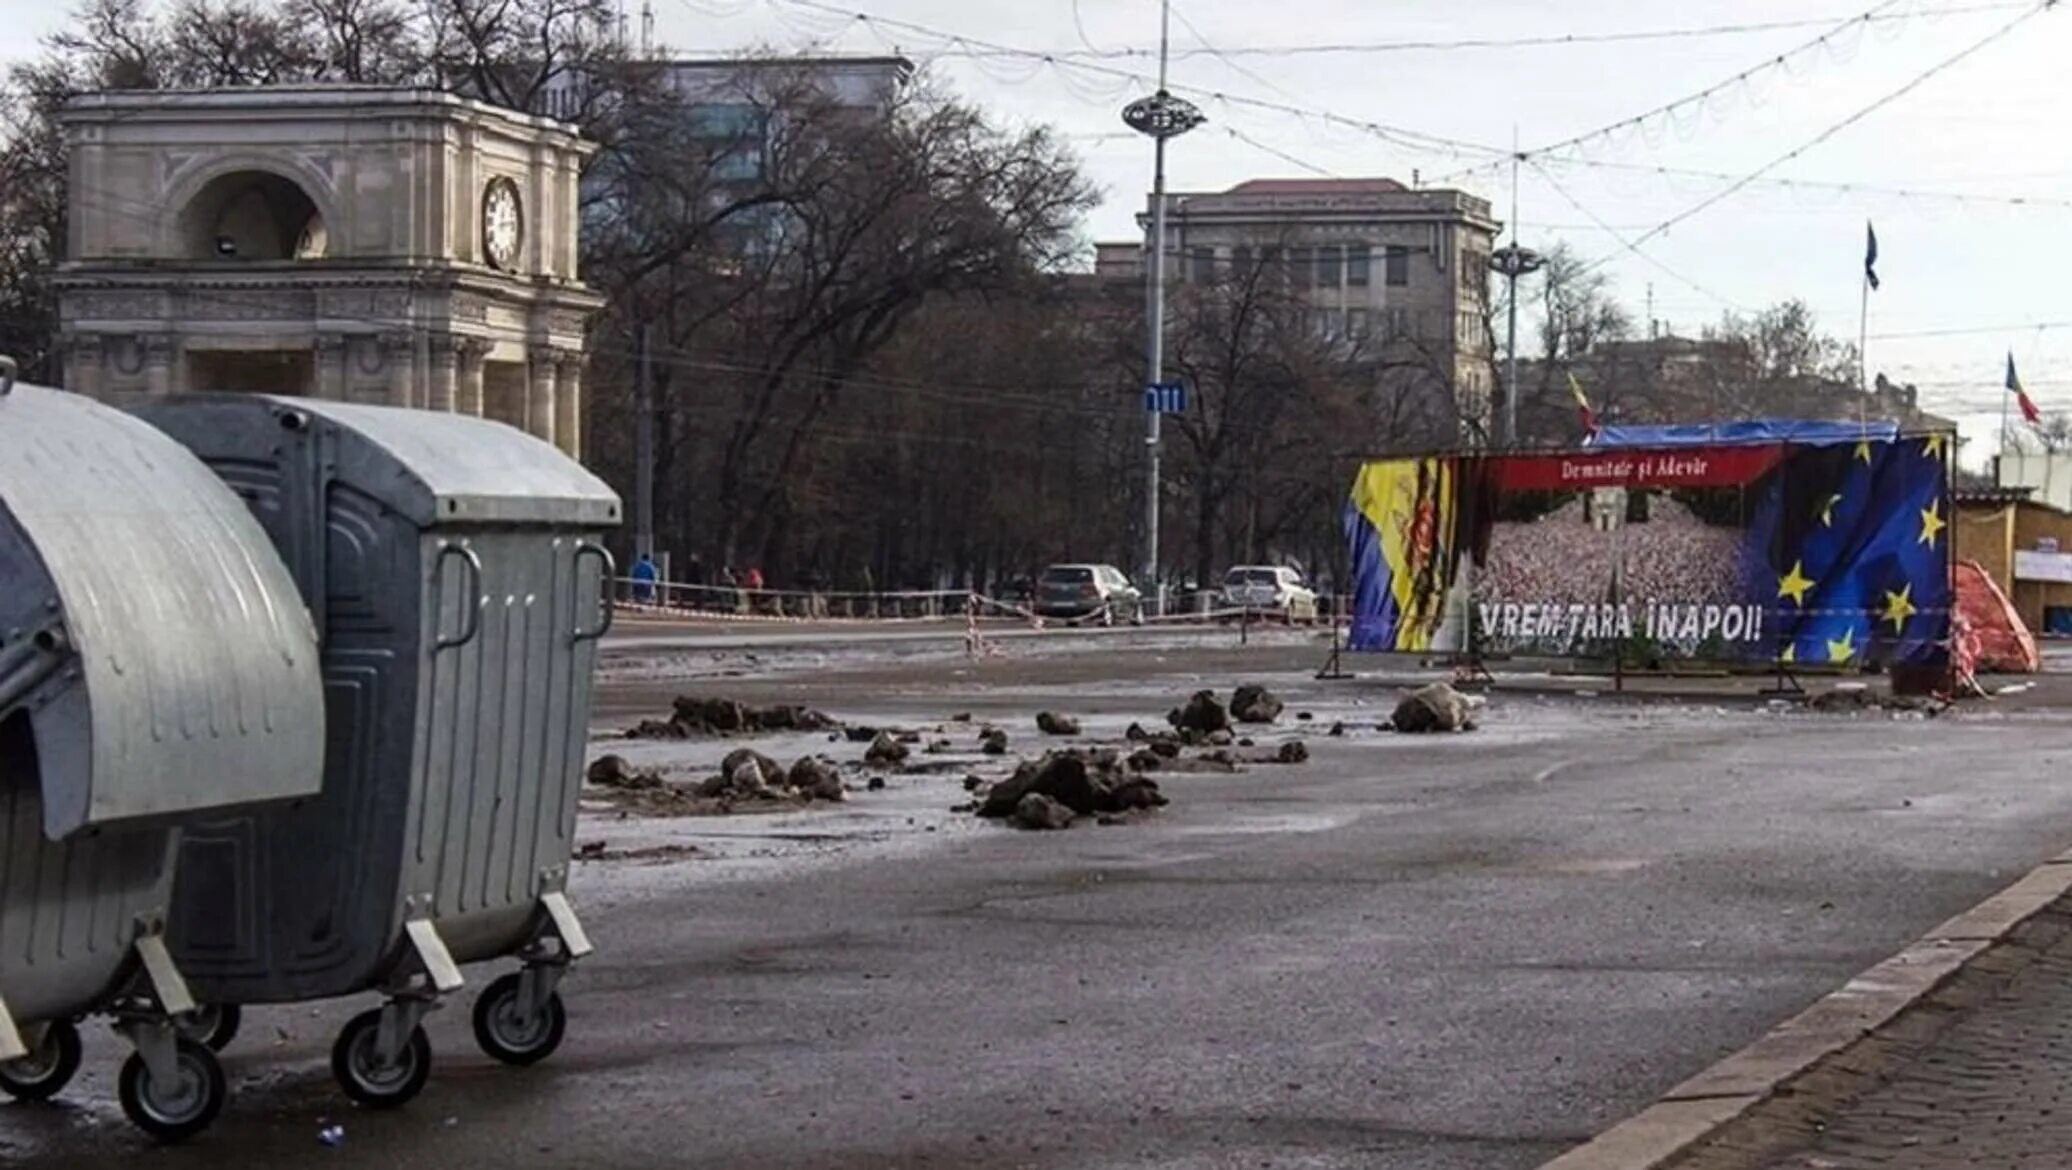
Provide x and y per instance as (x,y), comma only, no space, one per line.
(1852,119)
(1779,61)
(1545,40)
(1959,197)
(1400,136)
(1629,244)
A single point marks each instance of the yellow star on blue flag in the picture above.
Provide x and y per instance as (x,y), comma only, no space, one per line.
(1932,522)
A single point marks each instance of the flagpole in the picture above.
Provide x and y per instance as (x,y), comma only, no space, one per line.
(1999,457)
(1863,335)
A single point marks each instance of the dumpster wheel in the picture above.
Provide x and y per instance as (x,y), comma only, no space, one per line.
(356,1062)
(177,1111)
(44,1073)
(214,1025)
(503,1029)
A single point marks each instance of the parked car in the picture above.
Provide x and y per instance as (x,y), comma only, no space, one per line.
(1270,590)
(1075,592)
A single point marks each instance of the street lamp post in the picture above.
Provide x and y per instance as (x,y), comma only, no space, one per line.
(1512,262)
(1159,117)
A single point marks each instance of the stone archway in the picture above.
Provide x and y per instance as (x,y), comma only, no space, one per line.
(270,208)
(253,215)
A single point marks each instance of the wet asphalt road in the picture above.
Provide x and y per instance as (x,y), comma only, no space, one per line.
(1466,952)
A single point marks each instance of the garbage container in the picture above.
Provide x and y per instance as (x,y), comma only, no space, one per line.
(156,662)
(457,576)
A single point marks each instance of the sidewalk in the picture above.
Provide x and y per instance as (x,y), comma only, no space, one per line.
(1993,1089)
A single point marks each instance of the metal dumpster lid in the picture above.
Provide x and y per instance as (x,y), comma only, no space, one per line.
(198,684)
(461,468)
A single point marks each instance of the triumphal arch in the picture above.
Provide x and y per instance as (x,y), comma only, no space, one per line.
(366,244)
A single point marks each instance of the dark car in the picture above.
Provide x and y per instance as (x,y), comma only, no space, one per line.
(1075,592)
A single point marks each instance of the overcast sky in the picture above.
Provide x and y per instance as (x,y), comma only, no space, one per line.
(1993,124)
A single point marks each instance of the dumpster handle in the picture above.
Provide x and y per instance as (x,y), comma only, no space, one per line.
(472,623)
(606,571)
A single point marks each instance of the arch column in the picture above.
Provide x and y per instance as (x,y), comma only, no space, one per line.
(568,404)
(330,366)
(467,394)
(444,352)
(161,355)
(540,402)
(85,365)
(399,353)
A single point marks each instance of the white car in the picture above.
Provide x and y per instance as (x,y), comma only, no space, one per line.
(1269,589)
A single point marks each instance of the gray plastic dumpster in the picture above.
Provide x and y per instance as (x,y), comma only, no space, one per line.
(455,572)
(156,662)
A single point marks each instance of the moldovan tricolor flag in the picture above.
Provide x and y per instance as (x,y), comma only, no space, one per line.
(2021,396)
(1583,411)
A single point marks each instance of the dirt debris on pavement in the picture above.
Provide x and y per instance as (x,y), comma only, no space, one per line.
(1052,723)
(993,742)
(1251,703)
(1293,751)
(1437,707)
(1858,697)
(1037,811)
(612,771)
(692,716)
(1202,714)
(1083,784)
(886,751)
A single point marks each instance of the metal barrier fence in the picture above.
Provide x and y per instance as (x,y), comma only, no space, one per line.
(734,603)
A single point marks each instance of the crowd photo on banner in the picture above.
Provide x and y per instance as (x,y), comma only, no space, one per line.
(1817,544)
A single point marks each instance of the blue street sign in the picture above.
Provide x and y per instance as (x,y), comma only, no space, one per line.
(1165,398)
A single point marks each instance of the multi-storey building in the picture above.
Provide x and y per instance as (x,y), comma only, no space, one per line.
(1377,262)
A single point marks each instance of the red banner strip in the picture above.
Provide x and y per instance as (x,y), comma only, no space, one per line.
(1665,467)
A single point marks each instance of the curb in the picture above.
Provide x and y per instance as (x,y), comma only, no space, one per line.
(1834,1035)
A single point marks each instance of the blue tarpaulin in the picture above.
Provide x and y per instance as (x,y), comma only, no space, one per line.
(1805,432)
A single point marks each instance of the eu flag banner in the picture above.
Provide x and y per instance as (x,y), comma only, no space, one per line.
(1834,553)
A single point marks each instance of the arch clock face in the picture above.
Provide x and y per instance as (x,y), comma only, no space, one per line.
(503,224)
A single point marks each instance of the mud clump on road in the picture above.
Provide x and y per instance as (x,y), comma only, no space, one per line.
(1437,707)
(1202,714)
(1292,752)
(886,752)
(1079,784)
(1255,704)
(993,742)
(1037,811)
(691,716)
(1052,723)
(749,776)
(615,772)
(746,778)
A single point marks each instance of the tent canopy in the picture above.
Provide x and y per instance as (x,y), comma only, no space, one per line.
(1810,432)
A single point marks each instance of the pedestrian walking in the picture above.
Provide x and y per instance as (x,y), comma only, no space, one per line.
(644,575)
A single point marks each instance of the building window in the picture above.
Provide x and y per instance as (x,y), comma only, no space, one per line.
(1358,323)
(1359,260)
(1241,261)
(1201,265)
(1474,273)
(1398,265)
(1330,263)
(1399,324)
(1299,270)
(1270,260)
